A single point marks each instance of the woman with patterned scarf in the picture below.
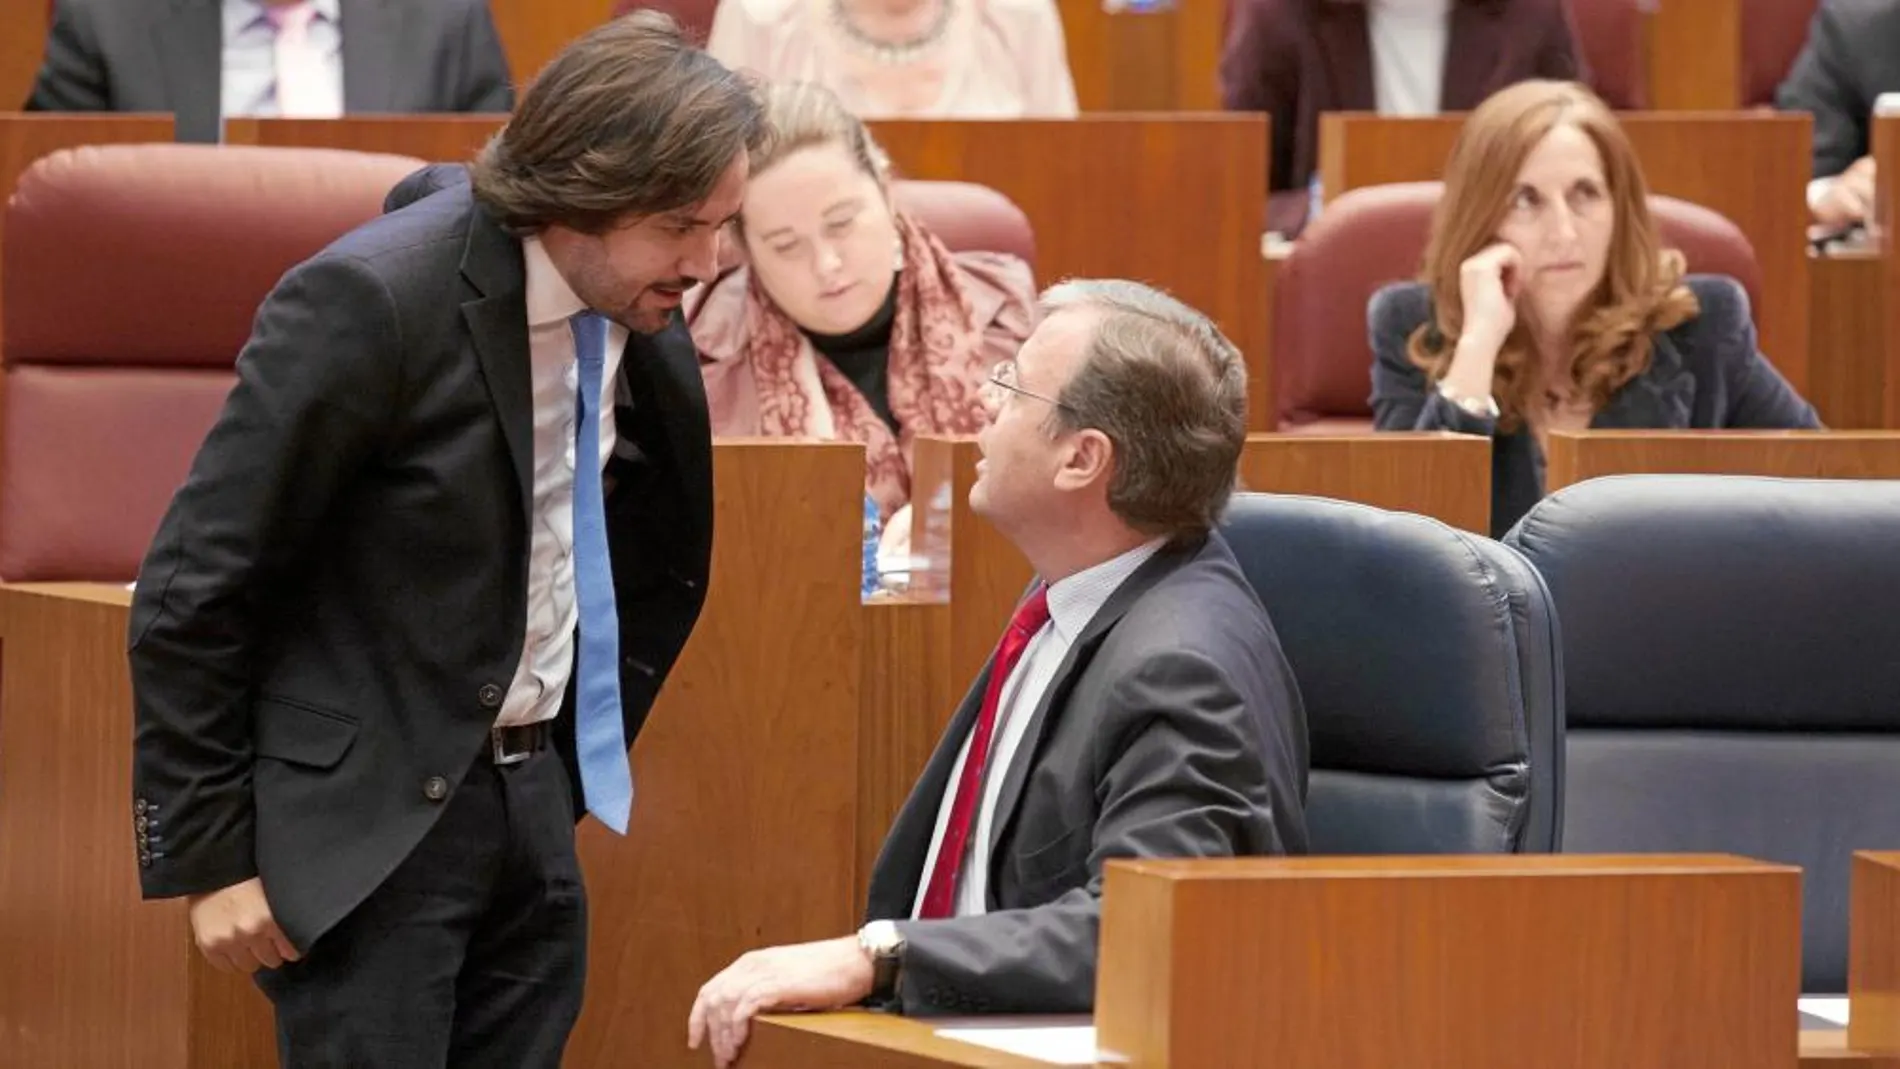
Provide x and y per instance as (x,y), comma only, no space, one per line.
(850,321)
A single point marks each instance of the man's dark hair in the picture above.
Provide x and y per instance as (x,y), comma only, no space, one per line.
(629,120)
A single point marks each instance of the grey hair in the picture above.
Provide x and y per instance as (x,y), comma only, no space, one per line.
(1168,389)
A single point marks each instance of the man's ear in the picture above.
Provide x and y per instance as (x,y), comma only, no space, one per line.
(1089,457)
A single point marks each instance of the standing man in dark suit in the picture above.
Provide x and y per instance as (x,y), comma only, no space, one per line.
(1294,59)
(1852,56)
(430,568)
(1138,705)
(210,60)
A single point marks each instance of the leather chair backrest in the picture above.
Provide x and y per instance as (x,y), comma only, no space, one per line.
(132,273)
(1322,359)
(1773,32)
(968,217)
(1732,674)
(1428,661)
(1610,36)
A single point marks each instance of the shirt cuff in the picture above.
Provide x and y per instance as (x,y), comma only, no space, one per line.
(1817,191)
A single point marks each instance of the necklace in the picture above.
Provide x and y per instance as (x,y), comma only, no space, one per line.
(886,52)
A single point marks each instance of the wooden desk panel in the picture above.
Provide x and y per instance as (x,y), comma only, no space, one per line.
(1639,962)
(908,695)
(1692,156)
(1873,969)
(22,47)
(436,138)
(1886,228)
(25,138)
(1577,456)
(1143,61)
(1695,55)
(1170,200)
(532,31)
(1847,351)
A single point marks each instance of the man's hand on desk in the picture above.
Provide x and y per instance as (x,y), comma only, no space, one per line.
(1846,199)
(807,976)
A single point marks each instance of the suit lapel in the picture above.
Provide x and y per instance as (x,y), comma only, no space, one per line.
(372,53)
(498,326)
(1055,700)
(1662,396)
(1340,27)
(1474,48)
(190,45)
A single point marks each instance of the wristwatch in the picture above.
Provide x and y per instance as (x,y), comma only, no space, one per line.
(1485,407)
(882,942)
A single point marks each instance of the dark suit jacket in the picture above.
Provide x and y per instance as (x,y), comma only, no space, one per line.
(1706,373)
(1296,58)
(334,605)
(1852,56)
(167,56)
(1173,729)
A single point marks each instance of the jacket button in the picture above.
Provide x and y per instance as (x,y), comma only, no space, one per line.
(142,824)
(145,859)
(490,696)
(435,788)
(138,807)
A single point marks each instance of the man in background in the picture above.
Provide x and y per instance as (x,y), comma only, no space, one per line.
(1852,56)
(205,61)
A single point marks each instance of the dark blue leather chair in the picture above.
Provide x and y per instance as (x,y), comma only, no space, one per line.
(1428,661)
(1732,671)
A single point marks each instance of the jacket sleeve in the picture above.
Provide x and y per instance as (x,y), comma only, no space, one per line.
(1819,83)
(73,75)
(1259,72)
(1183,777)
(316,385)
(1758,397)
(1402,398)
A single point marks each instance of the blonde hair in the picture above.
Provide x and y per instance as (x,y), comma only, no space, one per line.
(802,115)
(1641,291)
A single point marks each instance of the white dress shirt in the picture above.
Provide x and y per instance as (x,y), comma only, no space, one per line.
(249,82)
(1408,39)
(547,651)
(1073,602)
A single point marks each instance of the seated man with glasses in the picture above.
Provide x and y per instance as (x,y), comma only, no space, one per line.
(1137,706)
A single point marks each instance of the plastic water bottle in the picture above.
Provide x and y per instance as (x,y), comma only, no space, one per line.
(873,531)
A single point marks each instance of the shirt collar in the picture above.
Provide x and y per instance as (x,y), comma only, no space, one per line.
(550,299)
(1074,601)
(241,15)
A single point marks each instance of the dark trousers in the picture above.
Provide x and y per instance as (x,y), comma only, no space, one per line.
(471,955)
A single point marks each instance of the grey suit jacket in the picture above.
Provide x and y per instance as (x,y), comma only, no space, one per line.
(1852,56)
(1173,729)
(1705,373)
(167,56)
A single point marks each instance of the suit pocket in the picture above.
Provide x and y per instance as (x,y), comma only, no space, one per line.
(301,734)
(1057,863)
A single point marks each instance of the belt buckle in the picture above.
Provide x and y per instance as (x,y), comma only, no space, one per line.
(498,748)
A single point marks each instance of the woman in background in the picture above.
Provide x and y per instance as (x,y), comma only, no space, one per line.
(850,320)
(892,59)
(1547,302)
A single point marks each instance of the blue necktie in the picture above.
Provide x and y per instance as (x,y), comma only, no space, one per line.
(599,731)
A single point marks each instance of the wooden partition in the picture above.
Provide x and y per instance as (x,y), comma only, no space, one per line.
(1579,455)
(1886,146)
(25,138)
(1446,476)
(1873,969)
(744,829)
(1694,52)
(1847,332)
(1171,200)
(907,695)
(437,138)
(1691,156)
(1467,961)
(1129,60)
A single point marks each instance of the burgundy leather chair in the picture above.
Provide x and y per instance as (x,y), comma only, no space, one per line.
(1610,35)
(694,16)
(1773,32)
(1368,237)
(132,274)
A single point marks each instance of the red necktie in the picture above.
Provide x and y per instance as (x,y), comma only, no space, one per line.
(940,899)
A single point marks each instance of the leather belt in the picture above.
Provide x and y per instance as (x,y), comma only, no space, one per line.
(515,744)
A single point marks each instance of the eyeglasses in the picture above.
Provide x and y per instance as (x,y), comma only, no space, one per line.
(1003,379)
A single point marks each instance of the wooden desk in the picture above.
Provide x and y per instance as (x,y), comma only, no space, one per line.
(1886,231)
(749,765)
(1144,61)
(1694,55)
(1576,456)
(1847,328)
(25,138)
(437,138)
(1446,476)
(1873,968)
(1692,156)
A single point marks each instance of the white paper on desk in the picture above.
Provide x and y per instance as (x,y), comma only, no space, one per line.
(1057,1045)
(1832,1010)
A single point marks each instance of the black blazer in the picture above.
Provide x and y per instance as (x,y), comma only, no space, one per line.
(1173,729)
(167,56)
(1852,56)
(1706,373)
(334,605)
